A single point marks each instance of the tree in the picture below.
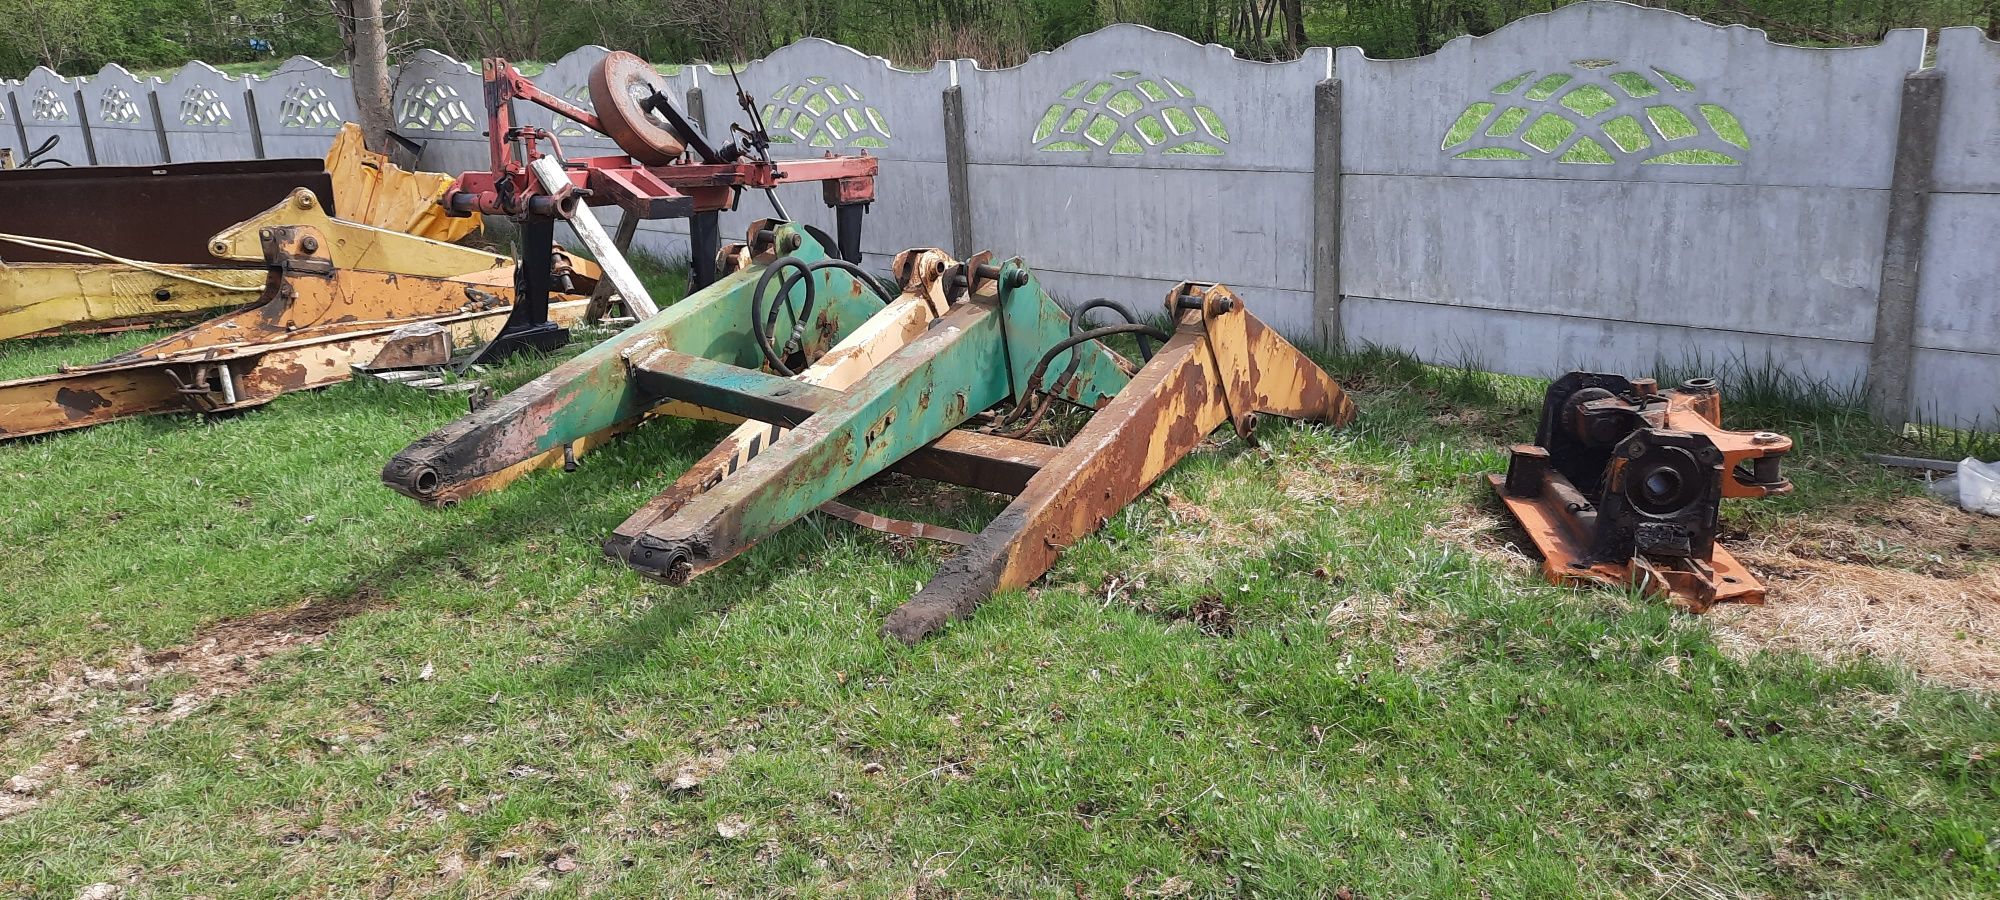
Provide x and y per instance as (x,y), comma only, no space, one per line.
(50,33)
(365,35)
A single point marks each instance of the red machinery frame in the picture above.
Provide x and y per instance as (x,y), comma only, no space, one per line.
(711,184)
(681,176)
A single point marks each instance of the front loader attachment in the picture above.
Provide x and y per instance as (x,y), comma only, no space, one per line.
(948,380)
(1000,346)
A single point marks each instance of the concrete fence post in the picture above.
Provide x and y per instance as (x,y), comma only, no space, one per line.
(250,121)
(958,175)
(697,111)
(83,121)
(1326,215)
(20,127)
(1892,354)
(160,127)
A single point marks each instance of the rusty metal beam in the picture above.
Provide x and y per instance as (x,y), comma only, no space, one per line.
(1221,365)
(312,322)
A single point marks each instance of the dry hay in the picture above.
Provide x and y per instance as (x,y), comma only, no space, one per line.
(1913,582)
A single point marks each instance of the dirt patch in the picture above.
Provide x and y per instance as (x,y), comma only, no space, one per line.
(1944,629)
(1208,614)
(1913,582)
(221,660)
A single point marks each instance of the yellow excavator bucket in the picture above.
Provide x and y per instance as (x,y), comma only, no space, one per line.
(370,190)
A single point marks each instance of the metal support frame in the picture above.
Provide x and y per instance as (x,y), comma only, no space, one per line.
(518,184)
(893,393)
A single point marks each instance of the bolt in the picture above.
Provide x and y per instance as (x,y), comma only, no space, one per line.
(265,234)
(309,244)
(790,242)
(1017,278)
(1225,304)
(1766,437)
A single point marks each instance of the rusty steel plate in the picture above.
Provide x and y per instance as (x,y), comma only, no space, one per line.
(617,86)
(163,214)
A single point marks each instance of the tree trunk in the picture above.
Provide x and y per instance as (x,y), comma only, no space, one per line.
(368,53)
(1295,27)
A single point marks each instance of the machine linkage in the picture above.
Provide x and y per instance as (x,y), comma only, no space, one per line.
(334,293)
(861,382)
(1624,485)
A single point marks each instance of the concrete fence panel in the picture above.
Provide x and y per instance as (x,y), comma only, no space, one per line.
(1956,375)
(10,132)
(300,107)
(206,115)
(1610,186)
(569,78)
(49,109)
(1603,186)
(817,97)
(440,104)
(1129,159)
(124,126)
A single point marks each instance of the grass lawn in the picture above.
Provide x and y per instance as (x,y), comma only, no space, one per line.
(234,665)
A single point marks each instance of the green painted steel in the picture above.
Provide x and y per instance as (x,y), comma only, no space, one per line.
(593,392)
(965,363)
(713,323)
(1035,322)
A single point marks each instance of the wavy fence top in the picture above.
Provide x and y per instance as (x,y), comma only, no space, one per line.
(1589,84)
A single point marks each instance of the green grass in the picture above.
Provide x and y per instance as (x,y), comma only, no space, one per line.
(1376,707)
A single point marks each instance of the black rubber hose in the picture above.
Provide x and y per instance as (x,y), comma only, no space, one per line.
(1094,334)
(760,327)
(763,322)
(1081,337)
(1077,320)
(886,295)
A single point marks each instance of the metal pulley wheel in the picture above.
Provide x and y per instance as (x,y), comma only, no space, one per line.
(617,87)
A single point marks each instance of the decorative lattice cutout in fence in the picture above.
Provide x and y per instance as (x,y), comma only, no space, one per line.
(48,106)
(433,105)
(820,112)
(579,96)
(1598,114)
(1131,114)
(117,106)
(307,105)
(202,107)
